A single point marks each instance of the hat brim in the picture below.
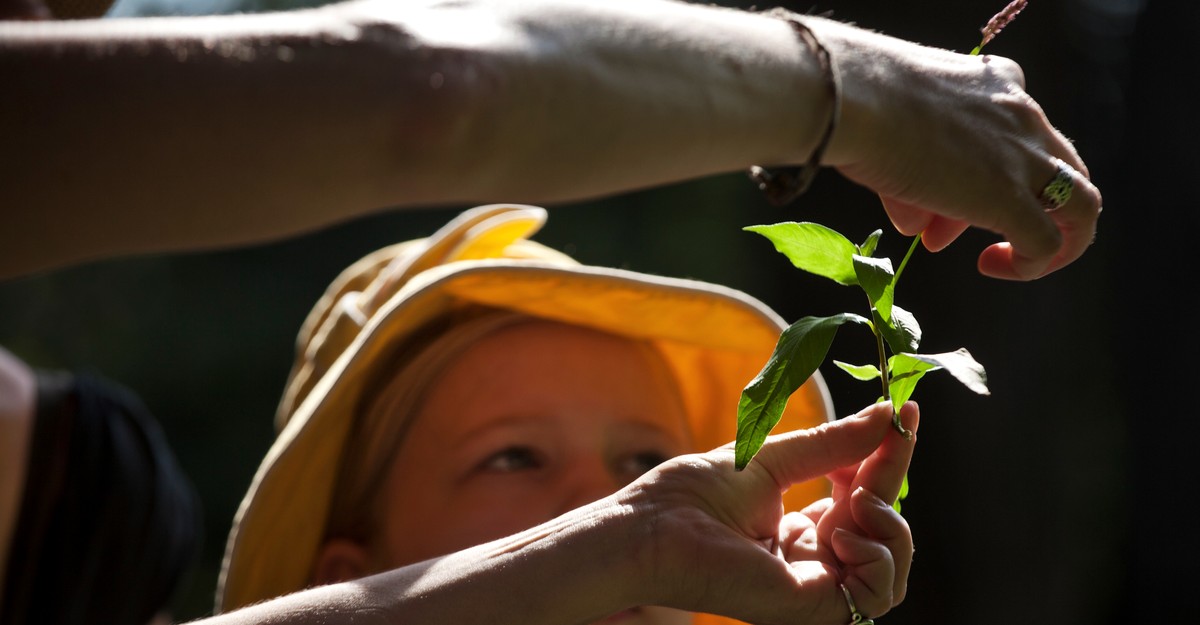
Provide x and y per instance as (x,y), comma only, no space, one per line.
(714,338)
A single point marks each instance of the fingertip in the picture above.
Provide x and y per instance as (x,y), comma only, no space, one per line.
(800,455)
(883,472)
(933,244)
(910,420)
(907,219)
(872,514)
(817,509)
(846,544)
(879,415)
(866,497)
(1000,261)
(941,232)
(910,416)
(855,550)
(1029,268)
(883,406)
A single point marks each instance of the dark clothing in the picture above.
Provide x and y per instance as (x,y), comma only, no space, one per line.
(108,522)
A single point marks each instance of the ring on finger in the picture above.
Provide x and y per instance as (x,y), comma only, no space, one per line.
(856,617)
(1057,192)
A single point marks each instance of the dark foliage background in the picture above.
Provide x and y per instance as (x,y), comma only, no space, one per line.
(1058,499)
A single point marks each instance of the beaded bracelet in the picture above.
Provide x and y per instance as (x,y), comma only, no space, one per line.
(784,184)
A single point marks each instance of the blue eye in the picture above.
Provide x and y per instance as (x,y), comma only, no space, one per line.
(515,458)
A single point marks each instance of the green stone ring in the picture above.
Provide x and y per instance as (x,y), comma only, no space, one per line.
(1057,192)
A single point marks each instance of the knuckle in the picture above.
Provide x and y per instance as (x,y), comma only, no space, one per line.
(1007,68)
(1094,201)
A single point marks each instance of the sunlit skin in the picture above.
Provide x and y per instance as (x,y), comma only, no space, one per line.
(530,422)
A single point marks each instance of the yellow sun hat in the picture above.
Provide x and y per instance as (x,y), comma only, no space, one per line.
(715,340)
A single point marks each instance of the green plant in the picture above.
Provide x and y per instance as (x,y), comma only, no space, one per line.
(803,346)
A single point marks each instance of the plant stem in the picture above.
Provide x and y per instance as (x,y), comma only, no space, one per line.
(884,374)
(904,263)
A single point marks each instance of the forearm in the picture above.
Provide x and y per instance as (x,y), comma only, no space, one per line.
(575,569)
(596,98)
(160,134)
(145,135)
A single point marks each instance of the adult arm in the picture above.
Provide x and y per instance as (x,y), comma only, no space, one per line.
(692,534)
(177,133)
(155,134)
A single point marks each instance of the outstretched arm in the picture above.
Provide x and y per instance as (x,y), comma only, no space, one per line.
(176,133)
(692,534)
(155,134)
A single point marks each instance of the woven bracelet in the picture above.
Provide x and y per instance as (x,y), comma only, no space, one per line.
(784,184)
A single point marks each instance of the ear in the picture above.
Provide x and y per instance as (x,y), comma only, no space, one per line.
(339,560)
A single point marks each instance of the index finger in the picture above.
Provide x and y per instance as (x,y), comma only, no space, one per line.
(805,454)
(883,471)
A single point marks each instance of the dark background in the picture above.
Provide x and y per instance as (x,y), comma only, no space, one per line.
(1060,498)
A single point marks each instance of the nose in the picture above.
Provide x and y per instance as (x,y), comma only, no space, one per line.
(586,479)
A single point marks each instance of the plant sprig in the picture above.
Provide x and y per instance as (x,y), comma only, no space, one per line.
(998,22)
(803,346)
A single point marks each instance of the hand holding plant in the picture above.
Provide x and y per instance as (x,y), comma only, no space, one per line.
(803,346)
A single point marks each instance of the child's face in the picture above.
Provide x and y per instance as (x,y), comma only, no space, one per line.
(532,421)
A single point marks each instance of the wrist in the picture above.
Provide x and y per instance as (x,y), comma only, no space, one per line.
(660,561)
(616,541)
(855,50)
(784,184)
(587,560)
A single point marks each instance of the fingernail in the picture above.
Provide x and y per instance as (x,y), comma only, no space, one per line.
(868,412)
(842,535)
(871,497)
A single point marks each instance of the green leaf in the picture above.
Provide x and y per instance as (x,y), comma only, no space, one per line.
(961,365)
(903,493)
(902,333)
(801,349)
(867,248)
(875,275)
(814,248)
(865,373)
(906,370)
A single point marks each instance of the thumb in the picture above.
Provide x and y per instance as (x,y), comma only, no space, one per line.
(805,454)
